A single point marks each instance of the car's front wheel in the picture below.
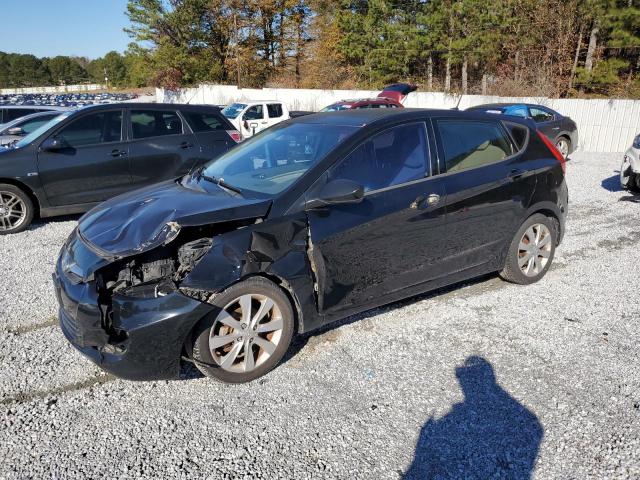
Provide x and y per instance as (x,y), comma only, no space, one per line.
(531,251)
(248,333)
(16,209)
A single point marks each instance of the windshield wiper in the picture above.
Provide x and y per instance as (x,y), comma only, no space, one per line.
(199,174)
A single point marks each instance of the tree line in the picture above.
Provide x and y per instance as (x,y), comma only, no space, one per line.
(504,47)
(24,70)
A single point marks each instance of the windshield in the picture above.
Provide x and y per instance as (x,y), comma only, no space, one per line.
(233,110)
(270,162)
(335,107)
(42,129)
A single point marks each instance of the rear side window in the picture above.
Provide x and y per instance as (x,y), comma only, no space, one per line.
(155,123)
(471,144)
(204,122)
(92,129)
(274,110)
(519,134)
(393,157)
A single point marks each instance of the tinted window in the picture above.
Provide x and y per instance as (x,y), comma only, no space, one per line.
(204,122)
(254,113)
(274,110)
(540,115)
(155,123)
(469,144)
(270,162)
(91,129)
(13,113)
(519,133)
(395,156)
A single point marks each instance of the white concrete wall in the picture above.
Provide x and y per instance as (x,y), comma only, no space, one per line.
(603,125)
(52,89)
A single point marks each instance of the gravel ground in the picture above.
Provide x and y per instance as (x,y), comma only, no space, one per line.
(484,380)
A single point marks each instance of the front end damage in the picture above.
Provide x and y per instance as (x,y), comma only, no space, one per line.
(132,313)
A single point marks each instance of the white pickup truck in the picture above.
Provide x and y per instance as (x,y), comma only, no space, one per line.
(252,117)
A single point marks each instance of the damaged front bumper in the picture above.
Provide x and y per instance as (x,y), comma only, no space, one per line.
(145,337)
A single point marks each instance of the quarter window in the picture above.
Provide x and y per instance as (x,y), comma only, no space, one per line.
(274,110)
(468,144)
(155,123)
(92,129)
(204,122)
(540,115)
(393,157)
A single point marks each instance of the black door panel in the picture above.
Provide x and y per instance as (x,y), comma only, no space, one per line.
(390,241)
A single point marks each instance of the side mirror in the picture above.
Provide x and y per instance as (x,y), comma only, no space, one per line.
(51,144)
(17,131)
(337,192)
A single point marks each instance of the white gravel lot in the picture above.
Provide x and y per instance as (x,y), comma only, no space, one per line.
(379,396)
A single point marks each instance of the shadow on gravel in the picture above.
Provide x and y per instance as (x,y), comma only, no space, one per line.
(612,183)
(488,435)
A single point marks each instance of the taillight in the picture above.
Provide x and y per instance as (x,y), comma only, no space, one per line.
(235,135)
(554,151)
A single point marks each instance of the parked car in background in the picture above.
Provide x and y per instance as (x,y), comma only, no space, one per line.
(250,118)
(561,130)
(17,129)
(315,219)
(630,168)
(391,96)
(9,113)
(83,157)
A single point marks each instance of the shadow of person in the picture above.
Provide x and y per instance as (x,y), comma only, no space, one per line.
(488,435)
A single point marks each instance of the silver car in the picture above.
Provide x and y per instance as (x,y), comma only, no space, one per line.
(630,169)
(20,127)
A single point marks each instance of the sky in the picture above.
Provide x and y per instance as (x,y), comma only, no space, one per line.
(46,28)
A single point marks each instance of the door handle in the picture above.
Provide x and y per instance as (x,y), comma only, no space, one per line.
(430,201)
(186,145)
(118,153)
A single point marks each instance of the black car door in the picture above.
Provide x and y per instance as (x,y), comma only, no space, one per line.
(162,146)
(546,121)
(210,129)
(489,185)
(364,252)
(91,164)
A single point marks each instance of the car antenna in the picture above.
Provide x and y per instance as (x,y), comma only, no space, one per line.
(457,107)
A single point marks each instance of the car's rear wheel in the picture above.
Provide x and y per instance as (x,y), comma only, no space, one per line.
(563,145)
(629,180)
(16,209)
(531,251)
(247,334)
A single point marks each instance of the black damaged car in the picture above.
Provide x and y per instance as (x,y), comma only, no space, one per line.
(313,220)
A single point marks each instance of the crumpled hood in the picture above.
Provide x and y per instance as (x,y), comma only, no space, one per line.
(144,219)
(397,91)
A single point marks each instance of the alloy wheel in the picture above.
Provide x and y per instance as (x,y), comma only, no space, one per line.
(534,249)
(246,333)
(13,211)
(563,147)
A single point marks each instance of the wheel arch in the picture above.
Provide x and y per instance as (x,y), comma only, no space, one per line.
(27,190)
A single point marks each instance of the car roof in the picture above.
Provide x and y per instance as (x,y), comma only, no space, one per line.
(366,100)
(30,116)
(505,105)
(360,118)
(31,107)
(149,106)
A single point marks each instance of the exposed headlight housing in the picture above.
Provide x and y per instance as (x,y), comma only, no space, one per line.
(636,142)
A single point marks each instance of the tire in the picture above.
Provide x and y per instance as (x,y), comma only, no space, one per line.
(522,266)
(563,144)
(222,339)
(16,209)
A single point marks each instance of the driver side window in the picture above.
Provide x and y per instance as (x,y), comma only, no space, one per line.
(253,113)
(92,129)
(392,157)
